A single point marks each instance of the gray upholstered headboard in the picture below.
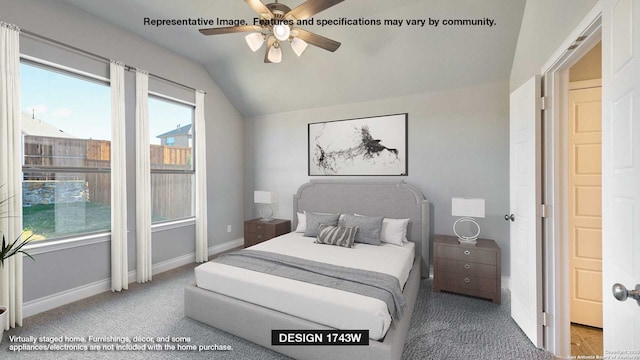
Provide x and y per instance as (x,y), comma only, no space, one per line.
(391,199)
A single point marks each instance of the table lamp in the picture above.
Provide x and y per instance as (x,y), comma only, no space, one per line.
(468,209)
(265,199)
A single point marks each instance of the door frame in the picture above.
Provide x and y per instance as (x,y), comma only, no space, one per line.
(555,88)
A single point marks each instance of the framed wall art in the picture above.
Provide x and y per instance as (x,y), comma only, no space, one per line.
(372,146)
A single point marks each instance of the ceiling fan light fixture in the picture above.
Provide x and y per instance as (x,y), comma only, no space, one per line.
(275,53)
(278,24)
(254,40)
(281,32)
(298,45)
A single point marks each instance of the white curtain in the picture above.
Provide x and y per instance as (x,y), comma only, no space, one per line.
(10,171)
(119,269)
(144,270)
(202,247)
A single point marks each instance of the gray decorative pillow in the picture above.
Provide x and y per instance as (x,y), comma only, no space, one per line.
(336,235)
(314,220)
(369,228)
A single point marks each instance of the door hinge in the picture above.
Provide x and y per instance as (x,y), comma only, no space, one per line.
(545,103)
(544,211)
(546,319)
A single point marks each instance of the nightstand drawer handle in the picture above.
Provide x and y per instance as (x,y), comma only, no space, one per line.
(259,227)
(259,236)
(467,266)
(467,252)
(467,280)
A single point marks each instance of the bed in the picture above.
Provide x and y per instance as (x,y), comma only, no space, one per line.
(232,311)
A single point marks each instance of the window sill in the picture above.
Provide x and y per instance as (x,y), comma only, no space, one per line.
(36,247)
(176,224)
(50,246)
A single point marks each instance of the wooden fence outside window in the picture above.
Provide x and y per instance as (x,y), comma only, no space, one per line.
(171,194)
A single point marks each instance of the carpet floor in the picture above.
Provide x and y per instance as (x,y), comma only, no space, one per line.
(443,326)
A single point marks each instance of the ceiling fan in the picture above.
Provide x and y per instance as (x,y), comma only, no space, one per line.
(277,24)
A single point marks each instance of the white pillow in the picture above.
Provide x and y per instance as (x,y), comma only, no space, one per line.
(302,223)
(394,231)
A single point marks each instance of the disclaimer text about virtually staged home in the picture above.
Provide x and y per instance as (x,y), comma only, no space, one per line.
(44,344)
(48,344)
(343,21)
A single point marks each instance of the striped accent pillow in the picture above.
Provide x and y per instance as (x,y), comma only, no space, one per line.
(336,235)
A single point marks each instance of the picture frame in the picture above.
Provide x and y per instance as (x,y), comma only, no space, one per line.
(368,146)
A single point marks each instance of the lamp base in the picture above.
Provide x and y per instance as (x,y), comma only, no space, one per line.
(467,240)
(266,211)
(473,242)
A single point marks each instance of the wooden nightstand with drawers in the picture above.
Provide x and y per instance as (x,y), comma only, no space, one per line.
(257,231)
(467,269)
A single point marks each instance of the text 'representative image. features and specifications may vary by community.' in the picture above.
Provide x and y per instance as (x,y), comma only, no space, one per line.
(342,21)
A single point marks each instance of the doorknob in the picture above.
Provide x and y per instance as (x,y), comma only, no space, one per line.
(510,217)
(621,293)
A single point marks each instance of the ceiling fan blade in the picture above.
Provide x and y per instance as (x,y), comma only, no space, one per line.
(230,29)
(270,41)
(259,7)
(310,8)
(317,40)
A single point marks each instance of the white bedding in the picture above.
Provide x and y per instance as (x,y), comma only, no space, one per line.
(334,308)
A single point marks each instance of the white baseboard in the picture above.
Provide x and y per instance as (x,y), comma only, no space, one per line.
(166,265)
(49,302)
(506,282)
(65,297)
(213,250)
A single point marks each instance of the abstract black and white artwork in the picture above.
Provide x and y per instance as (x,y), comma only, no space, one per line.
(365,146)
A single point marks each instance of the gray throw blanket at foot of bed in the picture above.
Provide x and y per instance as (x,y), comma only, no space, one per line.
(368,283)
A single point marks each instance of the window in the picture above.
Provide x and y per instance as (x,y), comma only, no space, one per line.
(66,133)
(172,167)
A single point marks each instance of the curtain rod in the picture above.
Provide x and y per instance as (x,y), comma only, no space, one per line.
(99,57)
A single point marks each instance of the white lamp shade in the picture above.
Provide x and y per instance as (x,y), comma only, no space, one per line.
(254,40)
(471,207)
(298,45)
(265,197)
(281,32)
(275,54)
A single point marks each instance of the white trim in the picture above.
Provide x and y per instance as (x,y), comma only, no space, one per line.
(170,98)
(38,247)
(37,306)
(229,245)
(556,87)
(52,301)
(583,28)
(166,265)
(585,84)
(65,68)
(506,282)
(173,224)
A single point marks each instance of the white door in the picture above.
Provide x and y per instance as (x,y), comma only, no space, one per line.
(621,174)
(585,205)
(525,196)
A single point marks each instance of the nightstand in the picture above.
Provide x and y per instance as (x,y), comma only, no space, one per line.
(257,231)
(467,269)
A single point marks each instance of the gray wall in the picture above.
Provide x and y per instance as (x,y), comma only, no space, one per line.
(458,146)
(545,25)
(63,270)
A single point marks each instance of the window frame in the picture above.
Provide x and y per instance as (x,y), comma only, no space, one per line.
(192,171)
(85,76)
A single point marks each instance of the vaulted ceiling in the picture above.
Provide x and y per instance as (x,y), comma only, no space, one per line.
(374,62)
